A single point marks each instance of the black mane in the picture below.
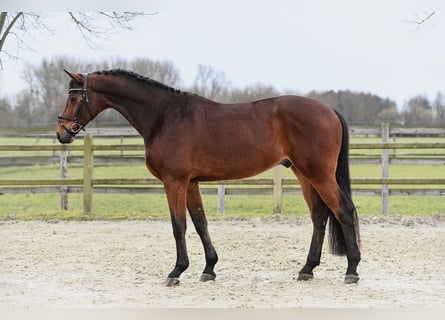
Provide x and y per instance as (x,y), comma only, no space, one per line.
(138,77)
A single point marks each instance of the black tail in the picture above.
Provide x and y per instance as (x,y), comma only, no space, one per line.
(336,238)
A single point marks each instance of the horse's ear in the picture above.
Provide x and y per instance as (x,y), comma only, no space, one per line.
(75,76)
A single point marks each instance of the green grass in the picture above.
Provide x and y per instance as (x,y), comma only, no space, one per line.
(128,206)
(140,206)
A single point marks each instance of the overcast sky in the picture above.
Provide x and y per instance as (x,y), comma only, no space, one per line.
(292,45)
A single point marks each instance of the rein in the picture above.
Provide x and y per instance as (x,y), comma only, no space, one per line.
(76,126)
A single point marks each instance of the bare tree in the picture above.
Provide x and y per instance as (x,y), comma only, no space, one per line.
(6,116)
(92,26)
(439,108)
(252,92)
(418,111)
(210,83)
(418,20)
(161,71)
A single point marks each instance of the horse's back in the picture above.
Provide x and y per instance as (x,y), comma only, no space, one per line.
(268,123)
(288,115)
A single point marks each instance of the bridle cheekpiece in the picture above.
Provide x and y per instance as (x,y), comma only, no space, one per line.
(76,126)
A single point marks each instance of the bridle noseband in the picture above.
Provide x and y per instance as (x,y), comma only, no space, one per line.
(76,126)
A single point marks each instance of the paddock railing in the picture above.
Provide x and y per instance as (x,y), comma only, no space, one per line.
(276,186)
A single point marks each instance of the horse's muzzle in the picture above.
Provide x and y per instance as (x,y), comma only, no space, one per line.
(64,136)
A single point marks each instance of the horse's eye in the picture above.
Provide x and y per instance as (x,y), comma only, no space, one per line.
(73,98)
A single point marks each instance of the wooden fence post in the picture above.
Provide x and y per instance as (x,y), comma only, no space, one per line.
(385,169)
(63,175)
(221,198)
(277,190)
(122,143)
(88,174)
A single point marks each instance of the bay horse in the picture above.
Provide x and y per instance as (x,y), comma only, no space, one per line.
(189,139)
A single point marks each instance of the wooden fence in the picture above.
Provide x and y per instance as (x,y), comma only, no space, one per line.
(277,186)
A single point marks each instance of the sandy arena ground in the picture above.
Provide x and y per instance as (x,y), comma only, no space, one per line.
(123,264)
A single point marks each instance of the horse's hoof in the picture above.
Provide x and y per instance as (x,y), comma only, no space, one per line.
(207,277)
(171,282)
(305,276)
(351,278)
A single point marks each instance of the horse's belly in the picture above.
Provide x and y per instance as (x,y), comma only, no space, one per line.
(235,167)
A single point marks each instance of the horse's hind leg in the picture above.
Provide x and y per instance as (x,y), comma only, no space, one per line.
(319,215)
(347,236)
(196,210)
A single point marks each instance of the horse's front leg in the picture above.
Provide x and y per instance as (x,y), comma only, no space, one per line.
(196,209)
(176,195)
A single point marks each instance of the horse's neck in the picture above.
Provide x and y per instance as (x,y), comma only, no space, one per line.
(141,107)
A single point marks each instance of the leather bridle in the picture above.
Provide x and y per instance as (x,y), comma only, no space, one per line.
(76,126)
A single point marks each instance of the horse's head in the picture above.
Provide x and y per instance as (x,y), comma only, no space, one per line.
(77,112)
